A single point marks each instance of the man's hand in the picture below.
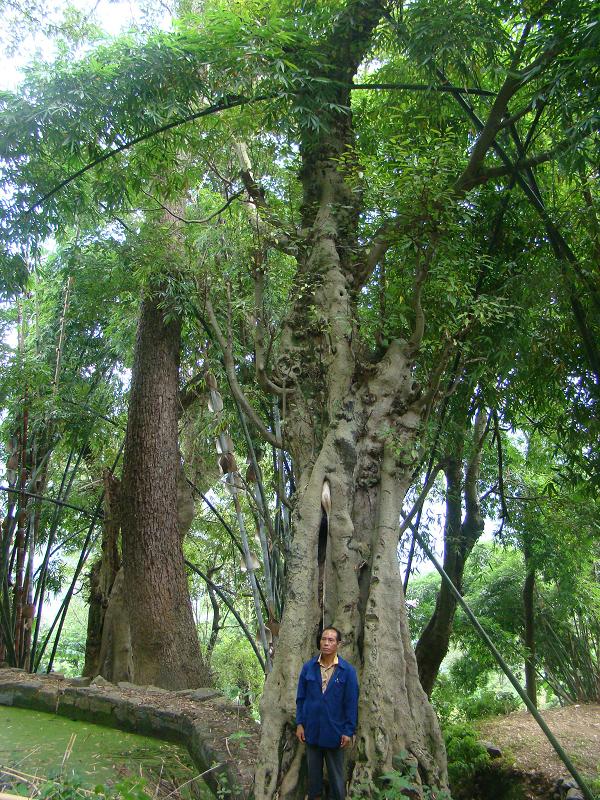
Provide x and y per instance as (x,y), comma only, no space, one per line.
(346,740)
(300,733)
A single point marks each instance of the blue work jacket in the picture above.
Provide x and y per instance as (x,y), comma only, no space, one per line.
(328,715)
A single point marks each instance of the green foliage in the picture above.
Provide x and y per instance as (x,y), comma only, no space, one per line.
(466,757)
(64,788)
(236,670)
(13,275)
(454,703)
(493,295)
(567,614)
(488,703)
(70,653)
(399,783)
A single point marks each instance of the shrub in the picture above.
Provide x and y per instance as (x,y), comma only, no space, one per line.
(400,783)
(466,757)
(487,703)
(452,704)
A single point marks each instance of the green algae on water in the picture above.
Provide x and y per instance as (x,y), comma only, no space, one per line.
(47,745)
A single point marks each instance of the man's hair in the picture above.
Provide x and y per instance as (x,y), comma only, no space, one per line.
(338,633)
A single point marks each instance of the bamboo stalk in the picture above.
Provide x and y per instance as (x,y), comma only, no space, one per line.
(280,485)
(230,606)
(64,607)
(20,541)
(28,593)
(41,584)
(263,516)
(250,571)
(61,335)
(85,552)
(227,527)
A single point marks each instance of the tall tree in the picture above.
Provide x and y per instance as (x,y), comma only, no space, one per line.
(382,285)
(165,645)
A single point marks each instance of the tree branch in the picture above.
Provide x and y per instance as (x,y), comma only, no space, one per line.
(222,105)
(508,121)
(420,276)
(421,498)
(233,381)
(522,164)
(195,221)
(422,87)
(44,499)
(436,377)
(258,334)
(513,82)
(381,242)
(561,248)
(264,218)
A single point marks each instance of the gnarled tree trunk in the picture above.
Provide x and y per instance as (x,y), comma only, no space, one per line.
(362,592)
(353,423)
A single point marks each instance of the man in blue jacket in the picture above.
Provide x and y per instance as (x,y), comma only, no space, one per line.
(326,714)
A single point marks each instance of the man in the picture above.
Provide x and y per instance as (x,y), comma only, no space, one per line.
(326,714)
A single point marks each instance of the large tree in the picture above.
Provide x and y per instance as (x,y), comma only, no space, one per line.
(386,282)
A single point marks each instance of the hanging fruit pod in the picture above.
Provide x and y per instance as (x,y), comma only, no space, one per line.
(224,443)
(227,463)
(254,563)
(215,402)
(210,380)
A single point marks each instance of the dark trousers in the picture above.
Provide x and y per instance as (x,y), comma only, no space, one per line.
(335,771)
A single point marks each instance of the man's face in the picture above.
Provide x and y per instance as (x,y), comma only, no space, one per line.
(329,642)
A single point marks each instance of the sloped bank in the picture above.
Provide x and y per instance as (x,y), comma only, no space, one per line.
(221,738)
(529,753)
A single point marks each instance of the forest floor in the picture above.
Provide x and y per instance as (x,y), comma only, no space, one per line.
(524,744)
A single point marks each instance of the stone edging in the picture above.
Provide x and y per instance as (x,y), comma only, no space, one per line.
(146,710)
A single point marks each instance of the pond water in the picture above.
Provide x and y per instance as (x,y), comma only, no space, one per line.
(36,744)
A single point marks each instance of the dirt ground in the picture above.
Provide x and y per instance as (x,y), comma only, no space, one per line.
(522,741)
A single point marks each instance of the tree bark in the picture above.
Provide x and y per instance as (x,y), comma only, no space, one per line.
(165,646)
(362,594)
